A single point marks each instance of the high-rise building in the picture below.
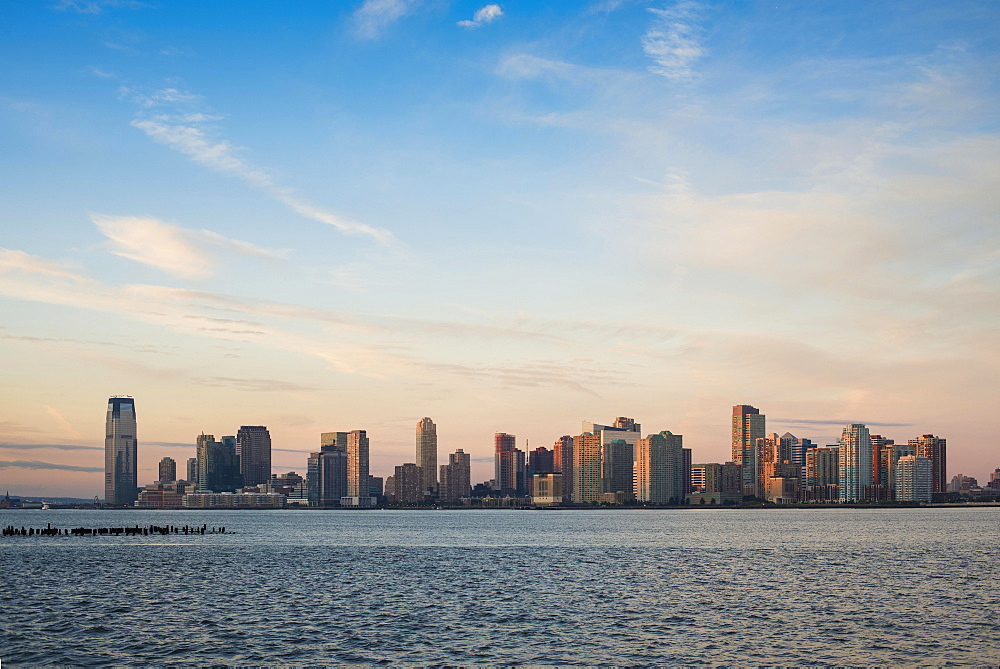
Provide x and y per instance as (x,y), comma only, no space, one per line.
(427,458)
(456,477)
(167,470)
(508,465)
(936,450)
(357,464)
(660,476)
(822,474)
(800,445)
(913,478)
(218,464)
(618,469)
(587,485)
(253,445)
(562,462)
(326,477)
(409,484)
(748,427)
(192,471)
(121,482)
(854,462)
(333,441)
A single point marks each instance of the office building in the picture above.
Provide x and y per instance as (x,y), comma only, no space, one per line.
(747,428)
(326,477)
(357,464)
(508,465)
(617,457)
(253,445)
(934,449)
(660,476)
(456,477)
(192,470)
(914,478)
(218,464)
(854,463)
(121,483)
(427,446)
(548,489)
(167,470)
(333,441)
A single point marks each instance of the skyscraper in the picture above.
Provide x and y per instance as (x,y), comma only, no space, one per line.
(854,462)
(587,486)
(167,470)
(357,464)
(456,477)
(121,483)
(253,445)
(192,471)
(913,478)
(935,449)
(408,483)
(427,457)
(660,476)
(616,462)
(218,464)
(748,427)
(508,465)
(562,462)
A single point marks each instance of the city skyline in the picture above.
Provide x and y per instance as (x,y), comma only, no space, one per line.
(325,217)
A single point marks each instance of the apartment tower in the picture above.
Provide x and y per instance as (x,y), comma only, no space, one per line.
(748,427)
(427,449)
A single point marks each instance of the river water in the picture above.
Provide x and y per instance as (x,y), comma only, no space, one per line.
(774,587)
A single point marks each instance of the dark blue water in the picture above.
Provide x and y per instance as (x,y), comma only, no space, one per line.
(907,586)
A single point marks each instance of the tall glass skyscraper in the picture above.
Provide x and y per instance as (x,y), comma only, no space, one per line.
(121,483)
(253,445)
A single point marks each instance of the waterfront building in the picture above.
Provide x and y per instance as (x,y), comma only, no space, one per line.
(427,446)
(854,463)
(716,483)
(587,484)
(121,482)
(229,500)
(375,486)
(253,445)
(616,462)
(914,478)
(167,470)
(822,474)
(456,477)
(747,427)
(540,461)
(660,476)
(218,464)
(192,470)
(618,469)
(935,449)
(508,465)
(357,464)
(548,489)
(163,495)
(409,484)
(562,462)
(994,483)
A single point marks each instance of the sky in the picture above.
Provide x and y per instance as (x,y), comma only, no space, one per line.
(513,217)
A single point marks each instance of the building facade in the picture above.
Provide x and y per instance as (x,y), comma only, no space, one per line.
(660,476)
(747,428)
(914,479)
(934,449)
(167,470)
(456,477)
(509,465)
(854,463)
(253,445)
(121,482)
(357,464)
(427,447)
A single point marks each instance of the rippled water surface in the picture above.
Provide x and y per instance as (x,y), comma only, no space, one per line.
(837,586)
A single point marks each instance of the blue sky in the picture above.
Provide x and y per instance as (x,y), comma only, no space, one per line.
(510,217)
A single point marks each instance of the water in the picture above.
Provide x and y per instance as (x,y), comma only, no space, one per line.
(824,586)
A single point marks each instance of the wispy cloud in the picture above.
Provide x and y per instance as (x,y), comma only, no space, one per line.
(183,128)
(37,464)
(62,422)
(373,17)
(19,261)
(484,15)
(61,447)
(673,41)
(178,251)
(96,6)
(834,421)
(103,74)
